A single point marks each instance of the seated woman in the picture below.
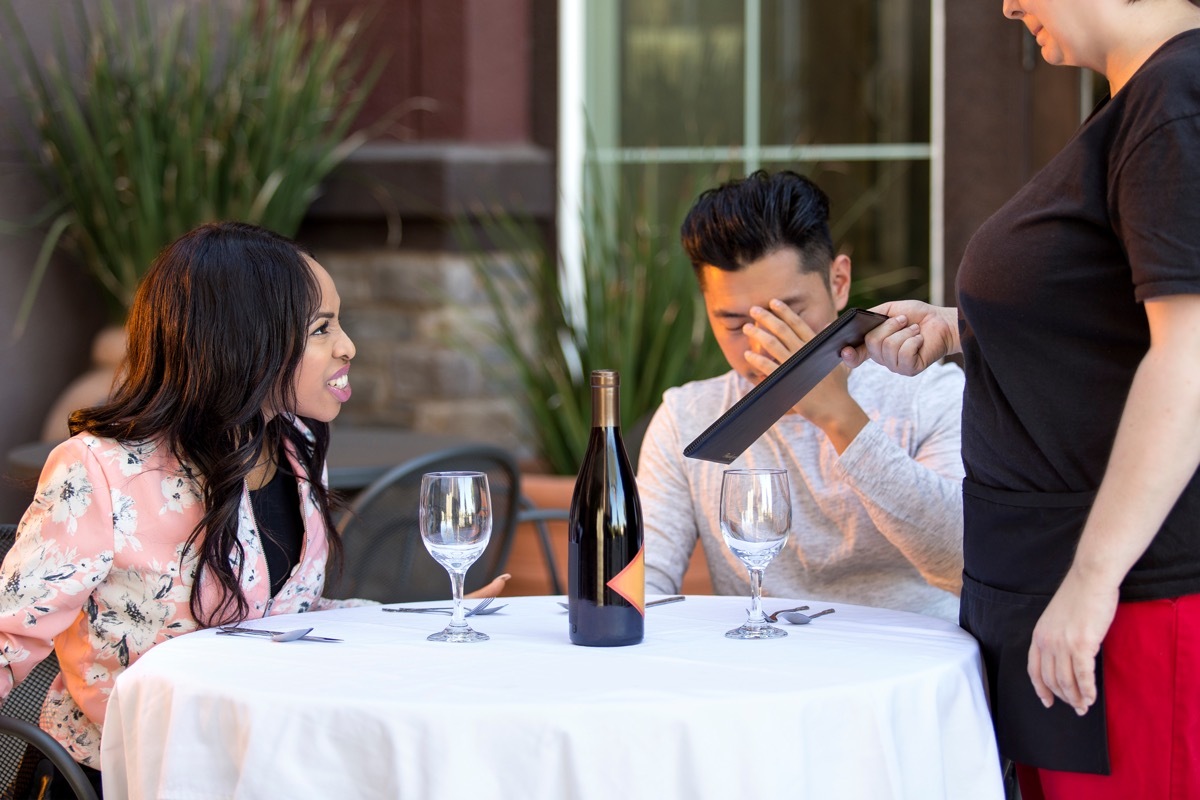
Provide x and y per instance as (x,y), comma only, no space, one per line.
(196,496)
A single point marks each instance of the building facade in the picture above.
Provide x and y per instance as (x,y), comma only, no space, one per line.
(919,116)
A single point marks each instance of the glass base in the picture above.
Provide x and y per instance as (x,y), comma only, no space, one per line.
(756,632)
(463,634)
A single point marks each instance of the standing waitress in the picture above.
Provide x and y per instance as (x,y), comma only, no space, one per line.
(1079,325)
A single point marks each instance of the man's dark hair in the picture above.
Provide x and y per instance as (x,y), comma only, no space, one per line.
(741,221)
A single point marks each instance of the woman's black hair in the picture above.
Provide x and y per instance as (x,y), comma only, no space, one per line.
(217,330)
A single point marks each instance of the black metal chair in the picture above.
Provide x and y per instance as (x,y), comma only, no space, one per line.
(22,775)
(385,559)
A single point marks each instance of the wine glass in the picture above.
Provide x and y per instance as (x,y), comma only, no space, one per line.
(756,514)
(456,523)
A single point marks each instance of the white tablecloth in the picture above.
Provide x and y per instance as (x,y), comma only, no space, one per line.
(863,703)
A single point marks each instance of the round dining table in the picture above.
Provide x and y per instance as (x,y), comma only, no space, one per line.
(862,703)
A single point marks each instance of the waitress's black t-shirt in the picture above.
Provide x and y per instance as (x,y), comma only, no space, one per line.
(1050,292)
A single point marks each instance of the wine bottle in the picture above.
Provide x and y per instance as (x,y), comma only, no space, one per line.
(606,584)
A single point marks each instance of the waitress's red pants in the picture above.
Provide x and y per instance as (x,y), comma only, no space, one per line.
(1152,691)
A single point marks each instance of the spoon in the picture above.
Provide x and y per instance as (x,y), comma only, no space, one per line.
(774,617)
(796,618)
(292,635)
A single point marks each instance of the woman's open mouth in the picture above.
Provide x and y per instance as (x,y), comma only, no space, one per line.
(339,384)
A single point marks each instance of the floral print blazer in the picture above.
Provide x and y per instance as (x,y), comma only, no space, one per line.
(98,572)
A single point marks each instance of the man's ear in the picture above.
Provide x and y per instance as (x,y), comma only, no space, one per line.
(839,281)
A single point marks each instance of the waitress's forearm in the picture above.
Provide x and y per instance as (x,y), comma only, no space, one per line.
(1156,452)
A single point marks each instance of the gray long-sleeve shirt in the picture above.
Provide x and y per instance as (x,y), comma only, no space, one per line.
(879,525)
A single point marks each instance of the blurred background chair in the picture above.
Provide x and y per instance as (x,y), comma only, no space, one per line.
(21,775)
(539,518)
(385,559)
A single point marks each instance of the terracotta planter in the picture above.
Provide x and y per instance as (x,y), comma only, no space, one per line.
(526,562)
(548,491)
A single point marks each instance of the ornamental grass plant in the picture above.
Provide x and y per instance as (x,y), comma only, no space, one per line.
(162,117)
(636,309)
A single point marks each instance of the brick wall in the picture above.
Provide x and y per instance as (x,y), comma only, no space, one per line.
(424,361)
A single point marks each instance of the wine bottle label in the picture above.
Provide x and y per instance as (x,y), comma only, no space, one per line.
(630,582)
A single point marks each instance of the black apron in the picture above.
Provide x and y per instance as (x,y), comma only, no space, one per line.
(1017,546)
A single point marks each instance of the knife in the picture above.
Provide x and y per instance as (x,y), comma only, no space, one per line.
(421,610)
(230,631)
(662,601)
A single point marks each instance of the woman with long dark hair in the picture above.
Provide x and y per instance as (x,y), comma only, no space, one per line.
(195,496)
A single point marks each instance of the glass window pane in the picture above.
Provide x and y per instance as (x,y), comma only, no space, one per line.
(879,216)
(681,73)
(663,193)
(850,72)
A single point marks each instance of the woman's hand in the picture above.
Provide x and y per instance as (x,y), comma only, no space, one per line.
(915,336)
(1066,640)
(492,589)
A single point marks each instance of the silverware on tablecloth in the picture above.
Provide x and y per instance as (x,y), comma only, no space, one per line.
(774,616)
(419,610)
(796,618)
(296,634)
(481,605)
(481,609)
(675,598)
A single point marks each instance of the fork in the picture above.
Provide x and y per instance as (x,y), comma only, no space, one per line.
(480,606)
(478,609)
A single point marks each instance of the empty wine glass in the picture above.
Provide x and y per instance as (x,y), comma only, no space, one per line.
(456,523)
(756,515)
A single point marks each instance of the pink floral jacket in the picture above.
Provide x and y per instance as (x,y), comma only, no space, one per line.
(98,573)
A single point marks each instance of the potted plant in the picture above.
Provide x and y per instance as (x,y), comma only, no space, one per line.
(179,118)
(173,117)
(635,308)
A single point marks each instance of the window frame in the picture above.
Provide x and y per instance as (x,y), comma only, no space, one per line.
(584,25)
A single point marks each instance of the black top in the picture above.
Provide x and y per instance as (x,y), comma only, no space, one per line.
(1049,291)
(277,512)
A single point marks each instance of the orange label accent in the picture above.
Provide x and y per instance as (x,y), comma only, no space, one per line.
(630,582)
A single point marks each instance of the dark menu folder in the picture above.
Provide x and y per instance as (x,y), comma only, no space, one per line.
(762,407)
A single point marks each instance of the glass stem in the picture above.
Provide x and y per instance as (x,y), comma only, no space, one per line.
(756,612)
(456,583)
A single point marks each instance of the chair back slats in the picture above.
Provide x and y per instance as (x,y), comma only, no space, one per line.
(11,750)
(385,559)
(25,703)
